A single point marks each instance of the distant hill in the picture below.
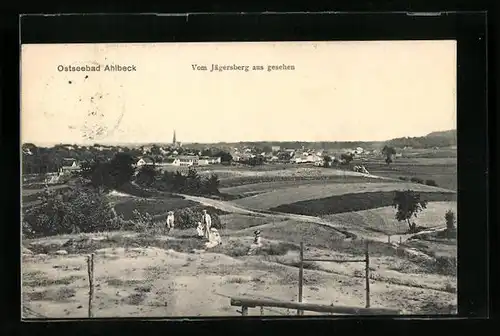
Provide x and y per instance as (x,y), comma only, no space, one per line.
(452,134)
(433,139)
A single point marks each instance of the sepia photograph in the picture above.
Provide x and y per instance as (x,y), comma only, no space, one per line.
(238,178)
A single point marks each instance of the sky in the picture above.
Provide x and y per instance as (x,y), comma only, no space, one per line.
(338,91)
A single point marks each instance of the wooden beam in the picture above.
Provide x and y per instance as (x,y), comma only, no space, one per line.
(252,303)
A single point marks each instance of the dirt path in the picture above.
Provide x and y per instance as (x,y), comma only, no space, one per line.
(233,208)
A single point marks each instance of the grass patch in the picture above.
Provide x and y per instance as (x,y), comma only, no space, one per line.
(62,294)
(444,174)
(294,232)
(238,280)
(264,185)
(123,283)
(134,299)
(354,202)
(237,249)
(44,281)
(239,222)
(155,207)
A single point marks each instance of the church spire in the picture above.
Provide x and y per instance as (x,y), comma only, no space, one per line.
(174,141)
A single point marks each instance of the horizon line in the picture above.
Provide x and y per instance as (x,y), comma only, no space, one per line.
(116,143)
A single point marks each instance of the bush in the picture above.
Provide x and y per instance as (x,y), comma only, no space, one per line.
(72,211)
(191,183)
(431,183)
(450,219)
(417,180)
(403,178)
(188,218)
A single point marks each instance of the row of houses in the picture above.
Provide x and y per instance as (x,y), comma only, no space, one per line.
(182,161)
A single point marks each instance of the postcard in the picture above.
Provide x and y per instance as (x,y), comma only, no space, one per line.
(242,178)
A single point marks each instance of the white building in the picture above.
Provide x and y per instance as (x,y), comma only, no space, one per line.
(144,162)
(207,160)
(183,160)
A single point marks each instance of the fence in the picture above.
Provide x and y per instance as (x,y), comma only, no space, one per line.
(246,303)
(366,260)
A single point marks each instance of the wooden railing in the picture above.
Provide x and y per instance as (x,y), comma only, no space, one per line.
(365,260)
(246,303)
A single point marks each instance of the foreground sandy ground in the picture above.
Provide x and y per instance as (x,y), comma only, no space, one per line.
(173,276)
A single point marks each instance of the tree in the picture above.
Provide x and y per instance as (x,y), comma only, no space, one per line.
(347,158)
(146,175)
(121,169)
(327,159)
(87,168)
(284,156)
(113,174)
(408,205)
(450,219)
(211,184)
(75,210)
(267,149)
(225,157)
(193,180)
(389,152)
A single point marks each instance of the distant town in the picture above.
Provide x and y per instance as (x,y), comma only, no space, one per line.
(65,158)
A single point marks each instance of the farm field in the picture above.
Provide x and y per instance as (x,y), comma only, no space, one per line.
(443,171)
(232,176)
(273,199)
(257,188)
(382,219)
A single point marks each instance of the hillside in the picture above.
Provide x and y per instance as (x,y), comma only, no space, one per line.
(433,139)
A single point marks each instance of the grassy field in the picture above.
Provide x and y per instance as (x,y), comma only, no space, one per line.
(383,220)
(443,171)
(273,199)
(232,176)
(258,188)
(154,207)
(354,202)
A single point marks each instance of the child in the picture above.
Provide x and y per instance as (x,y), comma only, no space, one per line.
(256,242)
(170,221)
(199,230)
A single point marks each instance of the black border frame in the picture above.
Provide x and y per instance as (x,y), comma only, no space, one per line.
(468,28)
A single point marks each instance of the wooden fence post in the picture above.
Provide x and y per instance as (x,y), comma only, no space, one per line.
(301,275)
(90,267)
(389,239)
(367,274)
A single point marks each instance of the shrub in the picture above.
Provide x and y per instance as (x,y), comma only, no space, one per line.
(450,219)
(188,218)
(431,183)
(403,178)
(71,211)
(191,183)
(417,180)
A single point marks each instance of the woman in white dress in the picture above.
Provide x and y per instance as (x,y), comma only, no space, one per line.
(206,221)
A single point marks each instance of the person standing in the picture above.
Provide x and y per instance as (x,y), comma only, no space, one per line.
(206,220)
(170,221)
